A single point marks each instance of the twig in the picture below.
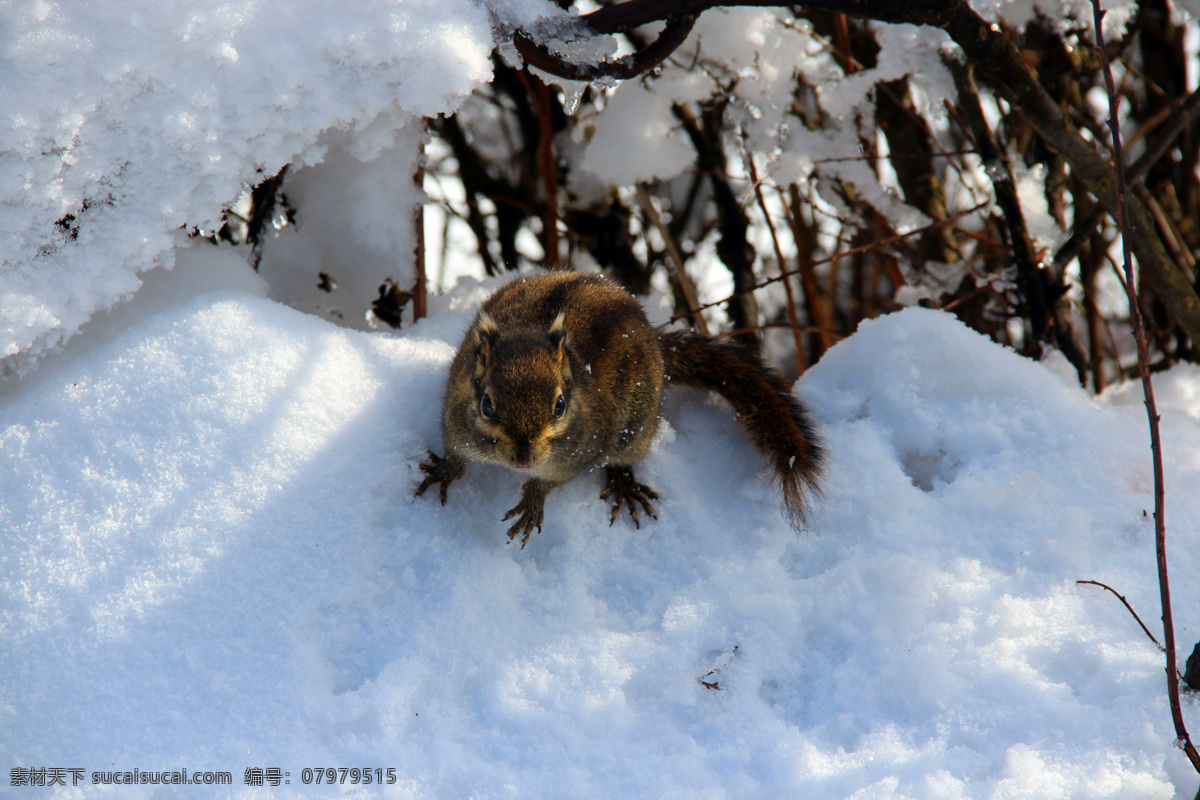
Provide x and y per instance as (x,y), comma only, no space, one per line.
(787,284)
(1137,170)
(1029,273)
(1170,236)
(893,156)
(733,244)
(262,206)
(675,268)
(841,53)
(782,325)
(819,310)
(1121,597)
(677,30)
(1135,316)
(784,274)
(539,95)
(969,296)
(418,292)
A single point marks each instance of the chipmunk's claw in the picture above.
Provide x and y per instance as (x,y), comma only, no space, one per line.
(623,489)
(441,470)
(530,509)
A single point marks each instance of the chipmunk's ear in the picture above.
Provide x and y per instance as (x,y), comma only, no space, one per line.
(486,331)
(558,334)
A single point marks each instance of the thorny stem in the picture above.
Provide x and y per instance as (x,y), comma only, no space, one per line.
(1135,315)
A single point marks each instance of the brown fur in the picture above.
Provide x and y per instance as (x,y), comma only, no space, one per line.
(775,420)
(585,339)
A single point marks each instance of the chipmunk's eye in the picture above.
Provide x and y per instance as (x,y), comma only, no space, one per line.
(560,406)
(485,407)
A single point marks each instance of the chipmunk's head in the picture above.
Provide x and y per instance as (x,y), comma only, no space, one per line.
(523,392)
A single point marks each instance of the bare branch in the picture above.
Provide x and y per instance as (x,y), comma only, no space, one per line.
(779,259)
(1121,597)
(675,264)
(1135,314)
(643,60)
(1000,63)
(785,274)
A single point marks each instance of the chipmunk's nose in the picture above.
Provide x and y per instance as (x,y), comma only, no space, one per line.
(521,456)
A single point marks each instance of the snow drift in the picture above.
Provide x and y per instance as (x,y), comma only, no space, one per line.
(213,560)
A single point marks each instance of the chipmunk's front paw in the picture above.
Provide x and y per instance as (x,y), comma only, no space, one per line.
(441,470)
(623,489)
(533,503)
(530,519)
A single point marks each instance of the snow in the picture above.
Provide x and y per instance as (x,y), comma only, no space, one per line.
(125,112)
(213,560)
(357,227)
(637,138)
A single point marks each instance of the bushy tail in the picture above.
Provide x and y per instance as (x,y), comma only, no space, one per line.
(777,422)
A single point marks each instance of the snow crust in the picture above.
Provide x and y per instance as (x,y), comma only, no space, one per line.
(132,123)
(212,558)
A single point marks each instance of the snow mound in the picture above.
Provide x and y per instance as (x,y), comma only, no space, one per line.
(132,124)
(213,560)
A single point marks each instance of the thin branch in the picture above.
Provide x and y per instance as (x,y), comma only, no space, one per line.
(644,60)
(1136,172)
(784,274)
(1121,597)
(782,326)
(734,249)
(675,264)
(418,292)
(999,169)
(1002,65)
(539,96)
(894,156)
(787,284)
(820,309)
(1170,235)
(1135,315)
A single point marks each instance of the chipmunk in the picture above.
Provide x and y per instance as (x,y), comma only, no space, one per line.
(561,373)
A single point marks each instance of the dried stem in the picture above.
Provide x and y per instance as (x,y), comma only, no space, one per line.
(675,264)
(785,274)
(677,30)
(418,292)
(539,95)
(1135,315)
(787,284)
(1121,597)
(1001,64)
(820,307)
